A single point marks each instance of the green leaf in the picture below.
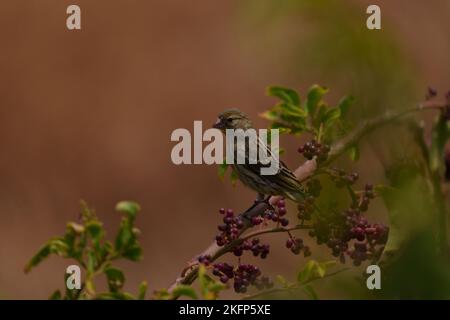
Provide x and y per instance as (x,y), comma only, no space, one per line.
(270,115)
(130,208)
(282,281)
(306,274)
(142,290)
(56,246)
(95,229)
(285,94)
(345,104)
(314,270)
(125,235)
(42,254)
(353,153)
(208,287)
(291,110)
(331,115)
(133,253)
(116,278)
(162,294)
(216,287)
(75,228)
(185,290)
(314,97)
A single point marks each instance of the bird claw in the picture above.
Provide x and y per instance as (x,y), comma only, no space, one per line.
(265,200)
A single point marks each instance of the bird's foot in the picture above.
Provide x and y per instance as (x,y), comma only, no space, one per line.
(265,200)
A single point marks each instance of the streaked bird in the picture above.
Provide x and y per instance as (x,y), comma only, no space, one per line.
(283,183)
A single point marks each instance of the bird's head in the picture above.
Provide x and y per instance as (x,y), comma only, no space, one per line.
(232,119)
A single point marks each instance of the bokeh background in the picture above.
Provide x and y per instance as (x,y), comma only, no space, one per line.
(88,114)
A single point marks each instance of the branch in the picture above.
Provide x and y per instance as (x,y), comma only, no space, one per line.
(307,169)
(370,125)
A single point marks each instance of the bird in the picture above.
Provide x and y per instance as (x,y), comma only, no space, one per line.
(283,183)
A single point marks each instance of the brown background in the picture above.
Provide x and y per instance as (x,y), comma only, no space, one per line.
(88,115)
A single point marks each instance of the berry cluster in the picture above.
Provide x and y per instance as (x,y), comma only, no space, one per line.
(296,246)
(278,214)
(339,231)
(243,275)
(254,245)
(313,149)
(230,229)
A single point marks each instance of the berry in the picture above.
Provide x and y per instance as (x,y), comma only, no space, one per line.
(315,149)
(284,222)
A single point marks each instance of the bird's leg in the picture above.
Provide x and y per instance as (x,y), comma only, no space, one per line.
(259,198)
(262,199)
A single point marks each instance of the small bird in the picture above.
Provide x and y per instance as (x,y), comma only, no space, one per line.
(283,183)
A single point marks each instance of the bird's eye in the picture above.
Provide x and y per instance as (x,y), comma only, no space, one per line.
(229,120)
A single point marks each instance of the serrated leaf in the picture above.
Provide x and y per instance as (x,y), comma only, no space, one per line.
(285,94)
(185,290)
(314,97)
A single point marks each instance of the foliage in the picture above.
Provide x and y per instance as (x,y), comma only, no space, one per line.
(84,242)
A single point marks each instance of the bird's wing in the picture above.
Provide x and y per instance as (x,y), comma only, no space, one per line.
(283,178)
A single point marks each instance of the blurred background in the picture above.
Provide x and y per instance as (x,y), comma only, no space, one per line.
(88,114)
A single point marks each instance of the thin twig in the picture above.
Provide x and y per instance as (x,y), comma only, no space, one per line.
(295,287)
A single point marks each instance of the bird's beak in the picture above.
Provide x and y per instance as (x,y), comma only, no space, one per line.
(218,124)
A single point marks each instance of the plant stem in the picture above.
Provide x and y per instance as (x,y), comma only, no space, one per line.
(291,288)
